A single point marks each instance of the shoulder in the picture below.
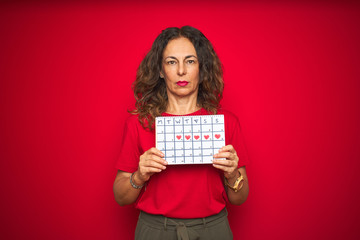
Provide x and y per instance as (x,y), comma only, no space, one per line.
(231,120)
(229,116)
(132,123)
(132,120)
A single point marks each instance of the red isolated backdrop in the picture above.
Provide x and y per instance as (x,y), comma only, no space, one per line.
(291,76)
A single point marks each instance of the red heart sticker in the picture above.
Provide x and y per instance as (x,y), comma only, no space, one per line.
(217,136)
(187,137)
(196,137)
(178,137)
(206,136)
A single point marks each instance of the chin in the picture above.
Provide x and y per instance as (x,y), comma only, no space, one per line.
(184,93)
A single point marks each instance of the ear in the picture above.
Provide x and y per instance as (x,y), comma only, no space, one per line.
(161,74)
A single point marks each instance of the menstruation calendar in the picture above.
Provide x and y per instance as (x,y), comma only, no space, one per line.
(190,139)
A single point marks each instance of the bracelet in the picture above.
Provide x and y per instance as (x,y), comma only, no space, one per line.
(133,184)
(236,186)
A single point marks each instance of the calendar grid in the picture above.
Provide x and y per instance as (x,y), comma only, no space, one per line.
(165,138)
(174,144)
(201,138)
(212,130)
(190,139)
(183,130)
(192,143)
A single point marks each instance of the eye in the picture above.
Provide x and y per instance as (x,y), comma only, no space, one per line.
(171,62)
(191,61)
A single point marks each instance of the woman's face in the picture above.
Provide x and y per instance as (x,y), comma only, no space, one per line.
(180,68)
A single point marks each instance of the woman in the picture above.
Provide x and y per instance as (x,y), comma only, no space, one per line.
(181,75)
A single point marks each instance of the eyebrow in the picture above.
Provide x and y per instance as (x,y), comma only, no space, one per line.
(189,56)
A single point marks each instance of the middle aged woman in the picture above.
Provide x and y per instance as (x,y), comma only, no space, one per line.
(180,76)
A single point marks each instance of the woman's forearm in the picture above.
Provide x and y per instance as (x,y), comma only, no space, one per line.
(124,193)
(239,197)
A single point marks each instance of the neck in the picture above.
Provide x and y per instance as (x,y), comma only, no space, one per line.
(182,106)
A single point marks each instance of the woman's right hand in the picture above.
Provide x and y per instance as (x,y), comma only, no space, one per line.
(151,162)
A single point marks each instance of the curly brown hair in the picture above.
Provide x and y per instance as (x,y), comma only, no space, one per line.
(150,90)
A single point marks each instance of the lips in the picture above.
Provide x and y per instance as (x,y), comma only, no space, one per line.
(182,83)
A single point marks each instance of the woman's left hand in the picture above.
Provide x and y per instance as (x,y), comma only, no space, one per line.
(230,164)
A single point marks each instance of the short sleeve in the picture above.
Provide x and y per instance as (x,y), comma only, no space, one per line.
(128,159)
(235,137)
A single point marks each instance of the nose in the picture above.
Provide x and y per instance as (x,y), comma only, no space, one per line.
(181,69)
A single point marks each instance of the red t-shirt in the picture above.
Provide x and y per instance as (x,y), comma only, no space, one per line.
(180,191)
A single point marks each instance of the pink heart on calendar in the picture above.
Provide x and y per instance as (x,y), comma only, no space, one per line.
(178,137)
(196,137)
(187,137)
(206,136)
(217,136)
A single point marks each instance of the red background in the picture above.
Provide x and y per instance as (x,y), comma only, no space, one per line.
(291,76)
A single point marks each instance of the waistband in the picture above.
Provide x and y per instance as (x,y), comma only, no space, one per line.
(182,226)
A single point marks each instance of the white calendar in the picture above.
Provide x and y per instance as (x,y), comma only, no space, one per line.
(190,139)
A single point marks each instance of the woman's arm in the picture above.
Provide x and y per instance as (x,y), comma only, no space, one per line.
(150,162)
(239,197)
(231,173)
(123,191)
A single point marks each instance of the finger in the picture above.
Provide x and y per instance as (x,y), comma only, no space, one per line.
(224,168)
(157,159)
(152,157)
(150,170)
(154,161)
(154,165)
(228,148)
(227,155)
(156,152)
(151,167)
(225,163)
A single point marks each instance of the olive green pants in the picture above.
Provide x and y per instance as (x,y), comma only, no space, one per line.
(158,227)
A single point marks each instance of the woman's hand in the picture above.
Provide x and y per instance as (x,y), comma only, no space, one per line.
(150,162)
(230,164)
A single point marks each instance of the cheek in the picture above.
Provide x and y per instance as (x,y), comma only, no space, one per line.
(195,74)
(168,72)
